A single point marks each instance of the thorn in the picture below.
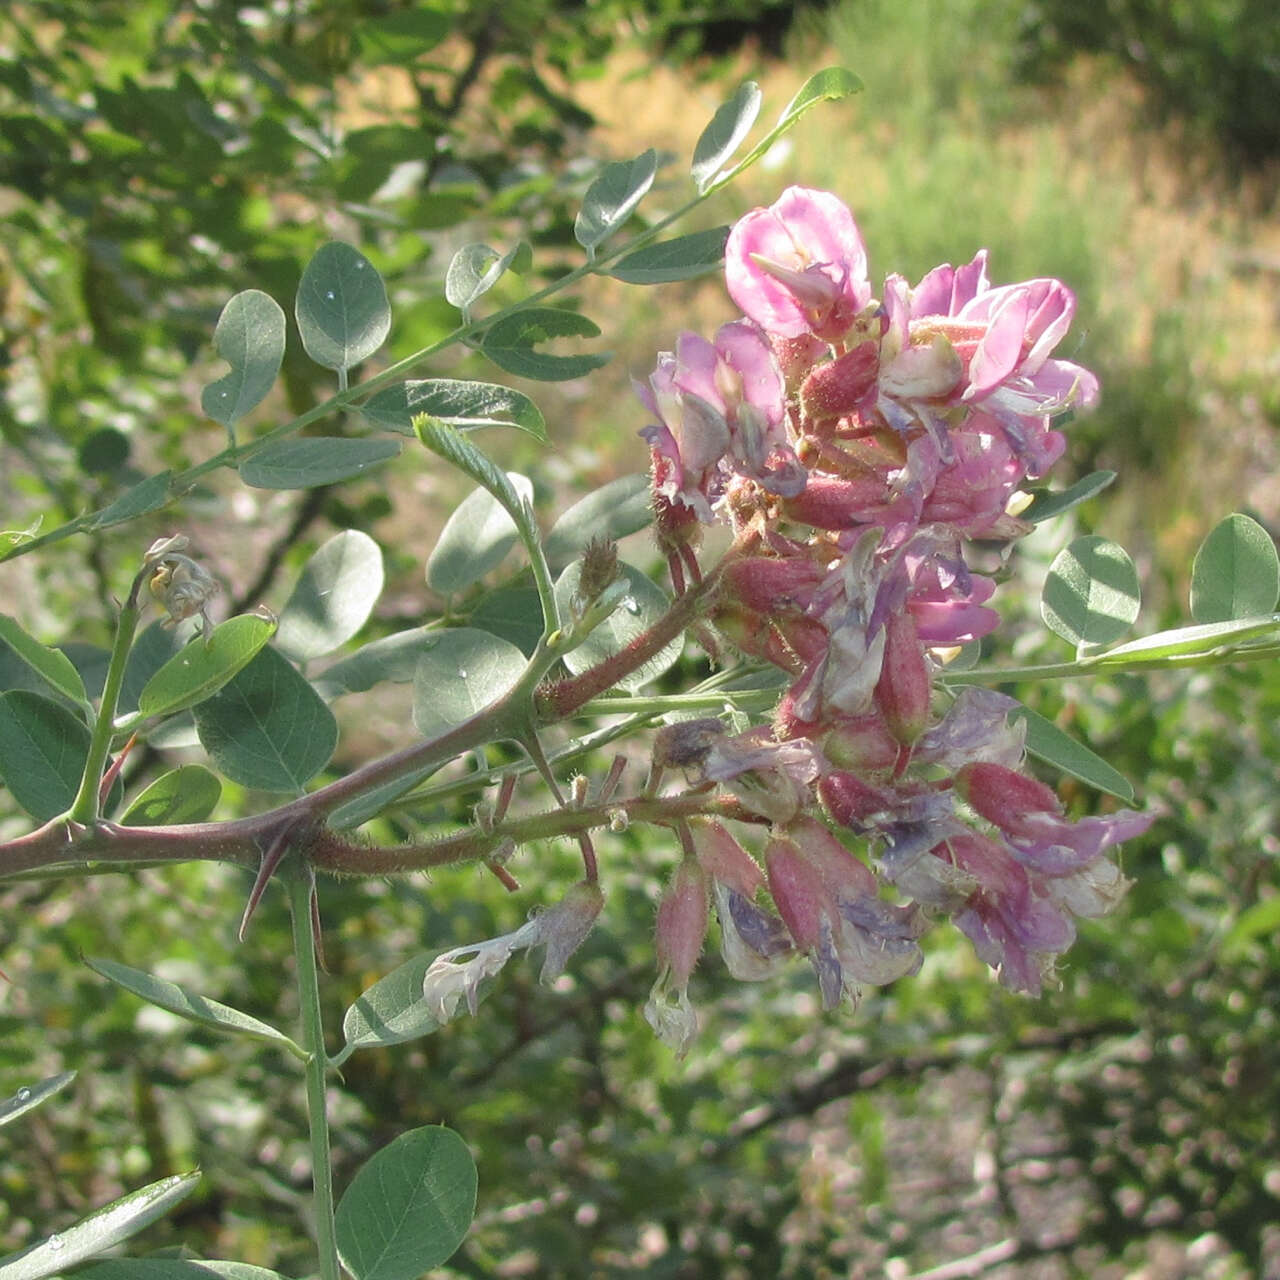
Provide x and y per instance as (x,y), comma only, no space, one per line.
(317,931)
(611,779)
(271,859)
(506,790)
(109,778)
(504,877)
(591,869)
(533,748)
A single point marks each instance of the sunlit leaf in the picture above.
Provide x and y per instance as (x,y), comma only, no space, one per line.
(393,1010)
(189,793)
(30,1096)
(1046,505)
(612,197)
(202,667)
(342,310)
(393,658)
(644,603)
(622,506)
(1091,595)
(267,728)
(333,598)
(475,269)
(250,338)
(187,1004)
(461,404)
(305,464)
(1181,641)
(724,133)
(53,666)
(174,1269)
(461,674)
(1236,573)
(475,539)
(100,1231)
(409,1207)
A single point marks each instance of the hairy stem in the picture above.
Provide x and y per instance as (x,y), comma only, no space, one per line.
(300,883)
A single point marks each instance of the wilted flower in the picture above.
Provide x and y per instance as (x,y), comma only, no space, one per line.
(678,938)
(561,929)
(181,585)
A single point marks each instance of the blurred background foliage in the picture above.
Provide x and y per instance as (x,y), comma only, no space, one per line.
(158,155)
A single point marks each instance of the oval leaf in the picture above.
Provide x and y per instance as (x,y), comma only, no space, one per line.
(461,404)
(189,1005)
(683,258)
(393,658)
(100,1231)
(511,341)
(267,728)
(342,309)
(614,510)
(335,594)
(53,666)
(513,613)
(391,1011)
(201,668)
(305,464)
(1091,595)
(1046,505)
(474,270)
(43,748)
(409,1207)
(1236,573)
(475,539)
(250,338)
(612,197)
(725,132)
(461,674)
(30,1096)
(644,603)
(402,38)
(189,793)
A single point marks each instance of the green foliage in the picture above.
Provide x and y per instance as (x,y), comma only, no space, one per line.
(409,1208)
(1092,594)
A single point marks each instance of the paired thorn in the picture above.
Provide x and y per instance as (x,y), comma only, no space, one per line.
(272,857)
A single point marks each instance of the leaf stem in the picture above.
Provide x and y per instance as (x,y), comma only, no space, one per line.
(86,807)
(300,884)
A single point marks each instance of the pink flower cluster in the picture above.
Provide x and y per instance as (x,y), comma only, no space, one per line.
(853,445)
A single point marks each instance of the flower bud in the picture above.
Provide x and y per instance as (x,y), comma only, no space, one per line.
(851,802)
(902,693)
(862,744)
(767,584)
(724,859)
(1009,800)
(682,922)
(843,386)
(799,893)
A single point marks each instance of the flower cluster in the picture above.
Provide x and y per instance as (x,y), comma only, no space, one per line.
(853,445)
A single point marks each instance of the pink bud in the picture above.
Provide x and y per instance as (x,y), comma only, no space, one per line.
(725,860)
(1009,800)
(850,801)
(798,892)
(770,583)
(843,874)
(863,744)
(902,693)
(842,386)
(829,502)
(682,922)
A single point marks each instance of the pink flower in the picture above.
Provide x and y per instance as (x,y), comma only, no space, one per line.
(799,267)
(681,928)
(720,408)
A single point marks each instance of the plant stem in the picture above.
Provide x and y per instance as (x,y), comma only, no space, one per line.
(85,807)
(300,883)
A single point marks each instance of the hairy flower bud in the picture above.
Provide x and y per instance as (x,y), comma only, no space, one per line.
(682,921)
(843,386)
(902,693)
